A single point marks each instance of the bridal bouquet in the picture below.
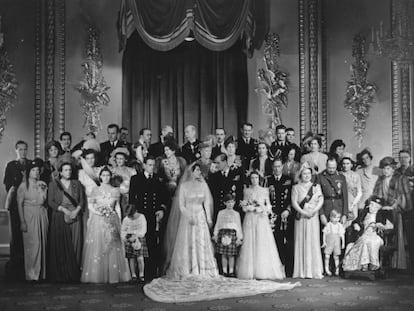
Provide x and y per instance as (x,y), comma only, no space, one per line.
(251,206)
(105,210)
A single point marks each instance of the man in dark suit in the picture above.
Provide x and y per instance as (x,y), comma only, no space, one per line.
(219,147)
(282,219)
(148,194)
(123,138)
(290,139)
(190,151)
(247,145)
(225,181)
(110,145)
(157,149)
(280,147)
(13,176)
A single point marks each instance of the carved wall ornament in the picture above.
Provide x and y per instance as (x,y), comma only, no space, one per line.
(93,88)
(8,85)
(360,93)
(274,82)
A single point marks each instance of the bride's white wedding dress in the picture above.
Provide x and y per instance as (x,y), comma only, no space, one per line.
(193,253)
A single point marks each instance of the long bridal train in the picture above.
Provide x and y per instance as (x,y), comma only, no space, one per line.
(199,289)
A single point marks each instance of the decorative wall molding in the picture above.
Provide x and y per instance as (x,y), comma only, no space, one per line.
(324,75)
(405,107)
(313,65)
(61,66)
(302,102)
(50,71)
(395,108)
(38,78)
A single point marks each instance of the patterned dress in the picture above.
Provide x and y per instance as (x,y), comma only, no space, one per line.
(259,257)
(103,253)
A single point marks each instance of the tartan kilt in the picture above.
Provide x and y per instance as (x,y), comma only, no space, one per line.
(130,252)
(230,250)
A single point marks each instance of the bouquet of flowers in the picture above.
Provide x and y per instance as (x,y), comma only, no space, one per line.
(251,206)
(105,210)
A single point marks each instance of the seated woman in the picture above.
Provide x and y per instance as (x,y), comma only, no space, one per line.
(362,253)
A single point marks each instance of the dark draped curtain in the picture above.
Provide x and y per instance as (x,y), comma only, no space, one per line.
(186,85)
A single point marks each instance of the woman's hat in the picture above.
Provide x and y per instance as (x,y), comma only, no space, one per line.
(376,199)
(204,144)
(229,140)
(387,161)
(35,163)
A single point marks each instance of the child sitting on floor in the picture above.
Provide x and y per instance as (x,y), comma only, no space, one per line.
(228,235)
(333,241)
(133,230)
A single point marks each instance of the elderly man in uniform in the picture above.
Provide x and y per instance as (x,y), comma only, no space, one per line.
(335,192)
(282,220)
(148,194)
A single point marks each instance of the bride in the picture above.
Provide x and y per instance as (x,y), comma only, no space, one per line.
(189,251)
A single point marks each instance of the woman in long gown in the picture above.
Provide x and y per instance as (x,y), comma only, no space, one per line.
(353,182)
(307,199)
(66,198)
(193,254)
(103,253)
(259,257)
(368,174)
(363,253)
(31,200)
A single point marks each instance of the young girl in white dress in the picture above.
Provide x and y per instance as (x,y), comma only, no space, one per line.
(259,257)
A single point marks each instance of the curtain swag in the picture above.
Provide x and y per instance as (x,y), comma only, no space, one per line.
(215,24)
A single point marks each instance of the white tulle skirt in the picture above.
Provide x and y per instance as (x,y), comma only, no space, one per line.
(259,257)
(103,258)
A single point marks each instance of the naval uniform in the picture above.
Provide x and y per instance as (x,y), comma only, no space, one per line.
(280,188)
(148,194)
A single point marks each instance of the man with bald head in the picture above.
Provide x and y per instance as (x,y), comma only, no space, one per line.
(189,150)
(157,149)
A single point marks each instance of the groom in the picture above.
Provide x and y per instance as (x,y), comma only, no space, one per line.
(149,195)
(282,220)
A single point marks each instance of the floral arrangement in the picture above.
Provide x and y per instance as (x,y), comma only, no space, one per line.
(8,85)
(251,206)
(360,93)
(274,82)
(105,210)
(93,88)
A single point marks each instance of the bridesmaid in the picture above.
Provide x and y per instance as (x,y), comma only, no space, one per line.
(353,182)
(66,198)
(31,199)
(307,199)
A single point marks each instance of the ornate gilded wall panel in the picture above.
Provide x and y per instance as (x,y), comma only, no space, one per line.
(313,65)
(302,101)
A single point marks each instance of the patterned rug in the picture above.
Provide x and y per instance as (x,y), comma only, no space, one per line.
(394,293)
(191,290)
